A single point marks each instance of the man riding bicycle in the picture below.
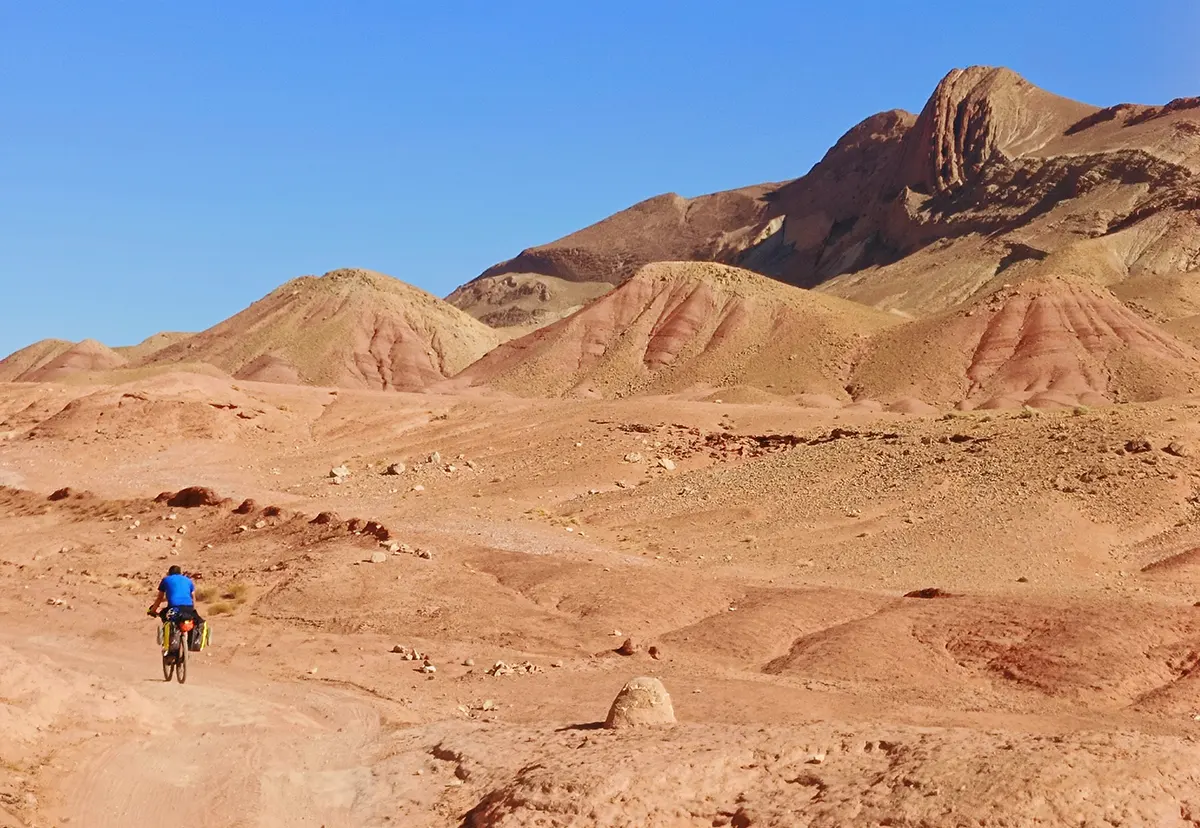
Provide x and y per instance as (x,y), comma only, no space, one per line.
(178,592)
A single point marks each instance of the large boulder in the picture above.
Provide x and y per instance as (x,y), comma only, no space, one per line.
(642,702)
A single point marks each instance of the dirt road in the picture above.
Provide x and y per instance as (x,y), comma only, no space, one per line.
(227,749)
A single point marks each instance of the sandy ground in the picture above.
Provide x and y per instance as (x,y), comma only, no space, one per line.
(1051,682)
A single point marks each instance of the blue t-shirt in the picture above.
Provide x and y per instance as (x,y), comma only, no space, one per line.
(178,589)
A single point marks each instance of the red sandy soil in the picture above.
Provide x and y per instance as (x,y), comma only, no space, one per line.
(1050,681)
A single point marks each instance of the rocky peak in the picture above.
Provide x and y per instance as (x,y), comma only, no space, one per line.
(977,115)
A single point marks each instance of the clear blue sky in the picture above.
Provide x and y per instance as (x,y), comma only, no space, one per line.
(165,163)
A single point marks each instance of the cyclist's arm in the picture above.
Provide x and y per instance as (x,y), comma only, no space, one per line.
(158,602)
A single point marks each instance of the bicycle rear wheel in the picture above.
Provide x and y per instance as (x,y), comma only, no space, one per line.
(168,657)
(181,664)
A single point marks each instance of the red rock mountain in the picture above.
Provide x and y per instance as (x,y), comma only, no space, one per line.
(912,213)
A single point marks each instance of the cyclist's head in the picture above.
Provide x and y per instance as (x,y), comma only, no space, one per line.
(175,570)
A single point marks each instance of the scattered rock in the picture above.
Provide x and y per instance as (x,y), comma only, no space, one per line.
(272,511)
(654,652)
(390,546)
(339,472)
(667,463)
(1022,580)
(182,530)
(193,497)
(1062,485)
(627,647)
(436,458)
(326,518)
(633,457)
(1178,449)
(643,702)
(246,507)
(418,488)
(500,668)
(927,592)
(260,524)
(556,663)
(425,553)
(377,529)
(468,662)
(409,654)
(1137,446)
(378,557)
(395,468)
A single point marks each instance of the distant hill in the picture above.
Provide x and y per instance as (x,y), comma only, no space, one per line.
(30,358)
(150,345)
(55,359)
(348,328)
(678,325)
(546,282)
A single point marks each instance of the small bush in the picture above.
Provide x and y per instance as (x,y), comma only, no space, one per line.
(234,592)
(1027,413)
(206,593)
(220,608)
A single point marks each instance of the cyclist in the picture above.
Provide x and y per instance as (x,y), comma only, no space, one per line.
(178,592)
